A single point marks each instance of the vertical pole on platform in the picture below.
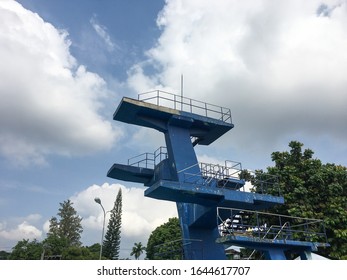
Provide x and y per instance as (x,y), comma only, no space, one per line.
(181,92)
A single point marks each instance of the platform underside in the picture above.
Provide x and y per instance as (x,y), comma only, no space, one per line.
(130,173)
(206,129)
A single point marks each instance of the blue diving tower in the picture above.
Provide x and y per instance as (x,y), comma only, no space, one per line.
(202,191)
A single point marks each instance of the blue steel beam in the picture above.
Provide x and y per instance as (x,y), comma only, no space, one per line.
(272,249)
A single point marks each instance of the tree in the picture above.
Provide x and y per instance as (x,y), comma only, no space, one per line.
(25,250)
(165,242)
(313,190)
(111,244)
(69,226)
(54,246)
(62,241)
(137,250)
(94,250)
(79,253)
(4,255)
(51,248)
(53,227)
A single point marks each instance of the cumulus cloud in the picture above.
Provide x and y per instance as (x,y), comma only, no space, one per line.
(279,65)
(140,215)
(19,228)
(23,231)
(136,207)
(49,103)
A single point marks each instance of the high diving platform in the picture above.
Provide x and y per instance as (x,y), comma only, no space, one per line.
(173,173)
(205,128)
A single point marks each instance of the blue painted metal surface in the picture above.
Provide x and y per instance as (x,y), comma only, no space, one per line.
(271,234)
(198,189)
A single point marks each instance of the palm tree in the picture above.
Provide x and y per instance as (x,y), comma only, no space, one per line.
(137,250)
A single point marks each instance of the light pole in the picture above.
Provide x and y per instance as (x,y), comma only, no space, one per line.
(98,201)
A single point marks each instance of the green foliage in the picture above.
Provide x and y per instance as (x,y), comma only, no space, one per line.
(137,250)
(69,227)
(4,255)
(62,240)
(165,242)
(314,190)
(55,245)
(52,248)
(111,244)
(79,253)
(25,250)
(95,250)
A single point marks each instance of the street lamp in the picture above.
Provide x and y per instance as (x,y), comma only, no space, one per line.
(98,201)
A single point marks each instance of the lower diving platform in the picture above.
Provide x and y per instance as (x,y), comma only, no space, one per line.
(213,185)
(272,234)
(210,196)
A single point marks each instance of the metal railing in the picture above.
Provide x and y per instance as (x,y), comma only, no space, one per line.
(149,160)
(231,169)
(261,182)
(217,175)
(178,102)
(286,224)
(231,175)
(269,226)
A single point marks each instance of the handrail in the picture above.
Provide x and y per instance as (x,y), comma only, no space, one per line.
(286,223)
(209,172)
(187,168)
(282,227)
(262,182)
(249,257)
(178,102)
(148,160)
(271,214)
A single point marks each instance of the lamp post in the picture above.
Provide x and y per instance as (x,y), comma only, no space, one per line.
(98,201)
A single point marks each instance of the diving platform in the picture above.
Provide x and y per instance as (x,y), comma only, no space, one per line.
(210,196)
(271,234)
(157,109)
(131,173)
(173,173)
(214,185)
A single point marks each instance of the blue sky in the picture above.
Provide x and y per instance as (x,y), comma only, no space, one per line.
(279,65)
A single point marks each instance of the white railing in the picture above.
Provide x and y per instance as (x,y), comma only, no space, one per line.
(178,102)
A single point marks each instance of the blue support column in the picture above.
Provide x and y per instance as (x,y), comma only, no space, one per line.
(306,255)
(275,254)
(180,150)
(200,242)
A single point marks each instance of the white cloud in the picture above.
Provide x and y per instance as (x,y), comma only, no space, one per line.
(22,231)
(140,215)
(279,65)
(135,205)
(19,228)
(103,34)
(49,104)
(34,217)
(45,226)
(154,140)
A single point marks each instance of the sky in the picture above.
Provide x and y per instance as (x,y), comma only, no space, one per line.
(65,65)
